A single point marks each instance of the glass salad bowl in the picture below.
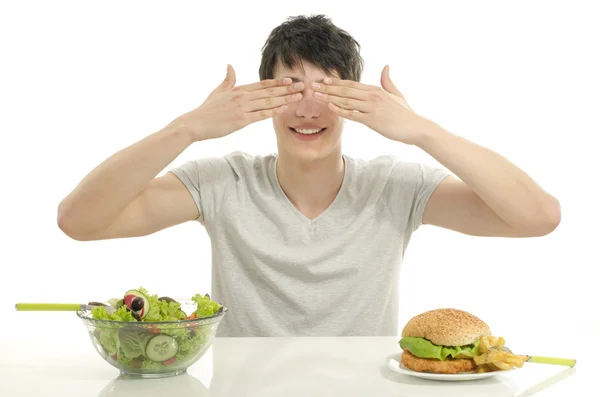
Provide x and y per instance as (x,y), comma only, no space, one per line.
(140,346)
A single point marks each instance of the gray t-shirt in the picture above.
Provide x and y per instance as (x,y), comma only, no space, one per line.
(281,273)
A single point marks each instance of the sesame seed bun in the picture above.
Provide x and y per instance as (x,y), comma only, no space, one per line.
(448,327)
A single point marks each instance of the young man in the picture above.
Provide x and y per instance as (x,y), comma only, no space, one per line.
(307,241)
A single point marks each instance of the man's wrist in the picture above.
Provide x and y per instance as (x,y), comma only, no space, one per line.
(429,134)
(182,128)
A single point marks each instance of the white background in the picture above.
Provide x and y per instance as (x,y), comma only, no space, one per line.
(82,80)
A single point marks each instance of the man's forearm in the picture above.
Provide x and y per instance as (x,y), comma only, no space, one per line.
(514,196)
(106,191)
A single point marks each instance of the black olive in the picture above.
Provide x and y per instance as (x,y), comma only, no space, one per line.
(166,299)
(136,316)
(192,333)
(137,304)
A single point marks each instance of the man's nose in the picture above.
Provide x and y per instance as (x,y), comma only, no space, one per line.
(308,105)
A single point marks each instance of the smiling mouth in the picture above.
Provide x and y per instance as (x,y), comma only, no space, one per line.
(308,131)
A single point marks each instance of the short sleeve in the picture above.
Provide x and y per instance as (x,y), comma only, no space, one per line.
(207,180)
(408,190)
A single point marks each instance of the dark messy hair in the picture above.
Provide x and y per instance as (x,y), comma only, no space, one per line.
(314,39)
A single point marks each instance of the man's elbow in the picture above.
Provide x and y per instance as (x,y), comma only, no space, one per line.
(66,227)
(547,219)
(66,224)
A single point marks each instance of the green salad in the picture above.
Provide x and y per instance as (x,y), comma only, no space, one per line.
(152,346)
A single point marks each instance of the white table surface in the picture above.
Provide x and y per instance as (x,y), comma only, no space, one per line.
(40,360)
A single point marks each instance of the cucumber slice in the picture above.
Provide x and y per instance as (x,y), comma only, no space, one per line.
(115,302)
(135,294)
(161,348)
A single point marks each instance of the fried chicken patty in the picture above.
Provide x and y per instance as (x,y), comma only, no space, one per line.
(453,366)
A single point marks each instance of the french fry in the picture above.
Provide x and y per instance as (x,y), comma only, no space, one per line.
(493,358)
(483,345)
(502,365)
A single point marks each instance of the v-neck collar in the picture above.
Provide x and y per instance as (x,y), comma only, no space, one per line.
(293,208)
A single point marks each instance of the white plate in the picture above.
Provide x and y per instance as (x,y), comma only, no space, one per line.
(395,364)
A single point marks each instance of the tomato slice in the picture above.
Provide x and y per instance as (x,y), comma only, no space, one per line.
(170,361)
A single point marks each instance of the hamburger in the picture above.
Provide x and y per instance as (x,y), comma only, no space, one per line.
(442,341)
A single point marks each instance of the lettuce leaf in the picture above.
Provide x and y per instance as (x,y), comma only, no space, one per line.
(164,311)
(205,306)
(109,339)
(134,340)
(121,314)
(424,348)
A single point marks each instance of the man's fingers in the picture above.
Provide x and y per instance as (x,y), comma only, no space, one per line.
(341,90)
(343,102)
(272,102)
(388,84)
(347,114)
(230,77)
(333,82)
(229,80)
(276,91)
(263,84)
(264,114)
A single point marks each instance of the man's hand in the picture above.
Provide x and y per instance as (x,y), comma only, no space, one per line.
(229,108)
(383,109)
